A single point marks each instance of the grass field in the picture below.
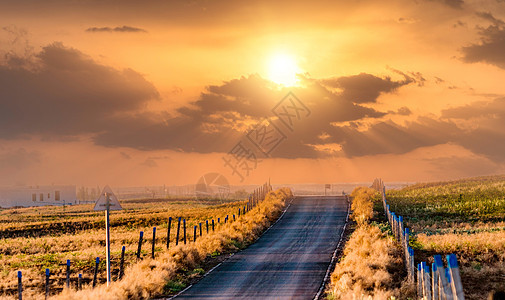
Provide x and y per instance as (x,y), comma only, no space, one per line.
(465,217)
(45,237)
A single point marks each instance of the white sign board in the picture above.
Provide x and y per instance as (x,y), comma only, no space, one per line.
(101,203)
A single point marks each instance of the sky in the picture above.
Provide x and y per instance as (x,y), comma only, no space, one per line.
(133,93)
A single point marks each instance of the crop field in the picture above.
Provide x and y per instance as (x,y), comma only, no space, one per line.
(36,238)
(465,217)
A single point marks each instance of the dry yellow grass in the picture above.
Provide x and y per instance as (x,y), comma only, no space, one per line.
(372,262)
(148,277)
(362,204)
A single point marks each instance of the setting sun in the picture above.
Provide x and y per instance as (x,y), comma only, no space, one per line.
(282,69)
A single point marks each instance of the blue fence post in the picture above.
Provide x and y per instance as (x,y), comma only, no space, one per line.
(68,274)
(47,282)
(97,261)
(154,242)
(442,275)
(178,231)
(139,249)
(168,231)
(20,286)
(434,282)
(456,286)
(184,229)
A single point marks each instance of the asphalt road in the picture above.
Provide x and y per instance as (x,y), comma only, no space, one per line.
(288,262)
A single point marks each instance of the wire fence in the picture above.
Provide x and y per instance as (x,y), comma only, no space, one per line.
(434,282)
(258,195)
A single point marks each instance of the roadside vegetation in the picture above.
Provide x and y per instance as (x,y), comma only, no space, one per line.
(45,237)
(371,265)
(465,217)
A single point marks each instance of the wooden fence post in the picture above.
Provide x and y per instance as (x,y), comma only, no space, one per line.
(79,282)
(200,228)
(212,225)
(434,282)
(194,234)
(426,281)
(419,282)
(456,286)
(443,279)
(207,225)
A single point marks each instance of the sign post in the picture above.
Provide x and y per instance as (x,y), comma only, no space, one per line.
(107,201)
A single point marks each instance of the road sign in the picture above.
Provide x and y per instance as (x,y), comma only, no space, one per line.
(107,201)
(101,203)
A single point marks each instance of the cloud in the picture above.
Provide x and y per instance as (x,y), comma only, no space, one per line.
(123,28)
(221,116)
(365,88)
(490,48)
(451,3)
(66,93)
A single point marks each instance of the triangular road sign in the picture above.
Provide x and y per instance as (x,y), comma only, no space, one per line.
(101,203)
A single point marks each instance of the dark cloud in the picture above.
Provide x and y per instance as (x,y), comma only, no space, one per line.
(115,29)
(365,88)
(451,3)
(222,114)
(66,93)
(490,48)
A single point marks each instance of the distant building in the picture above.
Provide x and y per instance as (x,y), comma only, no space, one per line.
(37,195)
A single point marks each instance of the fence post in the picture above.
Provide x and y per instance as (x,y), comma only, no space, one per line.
(239,211)
(20,286)
(121,263)
(419,282)
(411,264)
(194,234)
(184,229)
(178,231)
(218,220)
(212,225)
(200,228)
(427,281)
(456,286)
(139,249)
(154,242)
(443,279)
(168,231)
(434,282)
(96,271)
(68,273)
(79,282)
(47,282)
(233,218)
(207,225)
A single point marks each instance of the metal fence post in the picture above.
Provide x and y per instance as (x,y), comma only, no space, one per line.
(139,249)
(20,286)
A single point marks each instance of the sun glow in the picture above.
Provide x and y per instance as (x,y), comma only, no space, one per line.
(282,69)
